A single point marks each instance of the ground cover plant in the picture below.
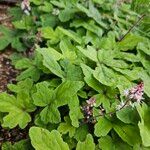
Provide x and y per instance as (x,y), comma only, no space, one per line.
(84,80)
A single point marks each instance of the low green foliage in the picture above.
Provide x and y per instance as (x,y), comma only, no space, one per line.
(78,61)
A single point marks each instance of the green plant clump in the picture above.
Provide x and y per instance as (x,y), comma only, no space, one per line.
(84,79)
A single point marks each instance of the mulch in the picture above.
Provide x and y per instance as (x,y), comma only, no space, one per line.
(8,75)
(7,72)
(12,135)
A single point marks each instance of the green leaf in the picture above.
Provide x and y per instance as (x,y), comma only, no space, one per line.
(22,86)
(144,46)
(50,62)
(75,112)
(72,72)
(17,108)
(88,144)
(66,127)
(16,12)
(81,132)
(43,139)
(23,63)
(68,49)
(49,33)
(17,44)
(89,79)
(43,96)
(74,36)
(87,25)
(32,72)
(66,14)
(108,43)
(102,127)
(95,14)
(144,124)
(127,56)
(36,2)
(71,87)
(50,51)
(92,12)
(107,57)
(46,7)
(140,6)
(90,53)
(106,143)
(104,100)
(50,114)
(118,64)
(6,37)
(123,83)
(26,23)
(1,117)
(146,79)
(105,75)
(82,94)
(21,145)
(52,99)
(48,20)
(133,74)
(60,4)
(127,115)
(144,60)
(129,42)
(128,133)
(91,38)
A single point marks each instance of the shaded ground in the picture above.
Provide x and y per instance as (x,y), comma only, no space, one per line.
(7,72)
(12,135)
(8,75)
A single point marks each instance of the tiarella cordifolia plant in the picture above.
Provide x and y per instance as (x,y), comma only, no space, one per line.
(84,75)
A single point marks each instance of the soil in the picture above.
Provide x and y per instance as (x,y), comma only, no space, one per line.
(7,71)
(8,75)
(12,135)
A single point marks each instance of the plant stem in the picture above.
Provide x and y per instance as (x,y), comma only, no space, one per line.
(109,113)
(135,24)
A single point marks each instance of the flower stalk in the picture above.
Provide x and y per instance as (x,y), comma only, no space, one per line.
(132,96)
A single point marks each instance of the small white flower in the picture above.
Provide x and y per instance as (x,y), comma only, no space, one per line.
(27,12)
(133,104)
(126,92)
(91,102)
(55,11)
(25,6)
(131,96)
(120,106)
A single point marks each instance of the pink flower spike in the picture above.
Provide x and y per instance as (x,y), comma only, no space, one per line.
(91,102)
(25,6)
(126,93)
(136,93)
